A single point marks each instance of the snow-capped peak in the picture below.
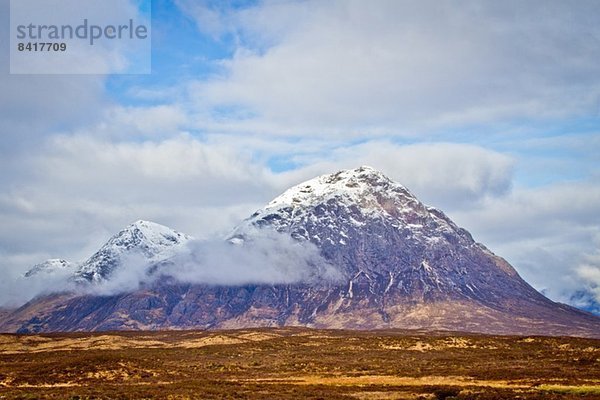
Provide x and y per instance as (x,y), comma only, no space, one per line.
(153,241)
(49,266)
(364,186)
(153,233)
(346,207)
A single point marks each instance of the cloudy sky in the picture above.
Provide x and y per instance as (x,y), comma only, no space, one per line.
(488,110)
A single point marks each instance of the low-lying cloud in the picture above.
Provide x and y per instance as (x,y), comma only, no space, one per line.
(269,257)
(589,273)
(16,289)
(265,257)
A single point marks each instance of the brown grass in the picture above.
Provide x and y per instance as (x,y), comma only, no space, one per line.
(296,363)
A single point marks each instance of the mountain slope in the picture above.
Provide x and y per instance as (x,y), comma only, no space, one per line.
(403,265)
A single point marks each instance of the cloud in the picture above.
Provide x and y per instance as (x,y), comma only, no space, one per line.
(446,175)
(558,209)
(546,233)
(211,18)
(400,67)
(34,107)
(589,272)
(264,257)
(180,167)
(16,290)
(161,121)
(78,190)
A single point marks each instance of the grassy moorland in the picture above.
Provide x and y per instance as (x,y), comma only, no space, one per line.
(295,363)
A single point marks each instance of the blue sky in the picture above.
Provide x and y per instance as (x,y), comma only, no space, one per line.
(489,111)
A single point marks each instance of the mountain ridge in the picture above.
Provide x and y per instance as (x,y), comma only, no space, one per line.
(146,238)
(404,265)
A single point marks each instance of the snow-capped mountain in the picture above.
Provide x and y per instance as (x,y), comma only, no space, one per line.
(402,265)
(384,238)
(149,241)
(50,267)
(152,241)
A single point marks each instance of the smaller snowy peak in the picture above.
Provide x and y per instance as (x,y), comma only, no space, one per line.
(149,237)
(49,267)
(150,233)
(354,186)
(153,241)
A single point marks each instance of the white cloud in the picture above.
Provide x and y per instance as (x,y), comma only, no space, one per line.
(556,209)
(400,67)
(209,19)
(161,120)
(544,232)
(442,174)
(171,163)
(15,289)
(268,257)
(589,272)
(77,191)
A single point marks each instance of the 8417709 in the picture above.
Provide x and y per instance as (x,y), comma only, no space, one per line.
(41,46)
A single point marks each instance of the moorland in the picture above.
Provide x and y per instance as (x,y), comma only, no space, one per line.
(297,363)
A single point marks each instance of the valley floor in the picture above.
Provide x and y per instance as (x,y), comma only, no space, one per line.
(297,363)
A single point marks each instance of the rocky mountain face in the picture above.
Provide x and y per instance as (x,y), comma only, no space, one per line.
(401,265)
(388,243)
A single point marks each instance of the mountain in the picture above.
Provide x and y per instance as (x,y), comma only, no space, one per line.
(151,241)
(51,266)
(384,239)
(400,263)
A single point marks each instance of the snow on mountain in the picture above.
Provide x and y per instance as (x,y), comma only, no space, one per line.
(152,241)
(357,186)
(345,200)
(49,267)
